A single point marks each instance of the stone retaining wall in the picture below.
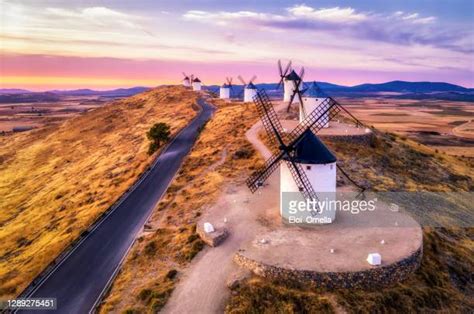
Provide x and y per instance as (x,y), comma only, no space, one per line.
(376,277)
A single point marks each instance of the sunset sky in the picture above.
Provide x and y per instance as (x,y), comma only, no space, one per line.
(48,44)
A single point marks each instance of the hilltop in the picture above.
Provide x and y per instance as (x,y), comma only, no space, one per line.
(56,180)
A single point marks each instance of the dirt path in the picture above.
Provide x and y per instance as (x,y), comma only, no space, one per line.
(202,289)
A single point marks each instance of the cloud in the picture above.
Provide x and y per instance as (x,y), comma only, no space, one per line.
(333,15)
(399,28)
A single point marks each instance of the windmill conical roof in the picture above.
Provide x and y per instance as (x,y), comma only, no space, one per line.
(250,86)
(292,76)
(315,91)
(225,85)
(310,150)
(197,80)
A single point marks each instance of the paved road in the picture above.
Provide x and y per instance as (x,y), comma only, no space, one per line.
(79,280)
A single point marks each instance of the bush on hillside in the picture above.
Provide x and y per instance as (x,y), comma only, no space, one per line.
(158,133)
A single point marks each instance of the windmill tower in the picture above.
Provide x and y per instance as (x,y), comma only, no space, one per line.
(225,89)
(319,166)
(250,91)
(292,83)
(196,84)
(313,98)
(307,167)
(187,80)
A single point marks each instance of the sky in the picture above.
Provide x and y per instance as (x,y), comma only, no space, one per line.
(101,44)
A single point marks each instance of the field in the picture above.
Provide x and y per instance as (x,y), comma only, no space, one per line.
(222,158)
(443,125)
(26,115)
(57,179)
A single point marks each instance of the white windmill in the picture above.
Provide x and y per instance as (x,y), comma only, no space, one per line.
(292,83)
(250,90)
(226,89)
(314,97)
(307,166)
(187,80)
(196,84)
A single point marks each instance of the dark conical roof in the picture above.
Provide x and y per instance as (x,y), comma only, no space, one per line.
(197,80)
(315,91)
(225,85)
(292,76)
(310,150)
(251,86)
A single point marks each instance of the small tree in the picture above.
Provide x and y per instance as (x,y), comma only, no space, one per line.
(159,133)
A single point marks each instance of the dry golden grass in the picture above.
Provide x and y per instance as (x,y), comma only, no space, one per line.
(220,154)
(55,181)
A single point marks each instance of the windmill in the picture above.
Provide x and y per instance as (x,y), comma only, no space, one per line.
(294,89)
(187,80)
(302,157)
(226,90)
(249,88)
(196,83)
(283,73)
(313,96)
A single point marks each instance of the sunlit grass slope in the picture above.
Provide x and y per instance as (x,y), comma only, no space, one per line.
(55,181)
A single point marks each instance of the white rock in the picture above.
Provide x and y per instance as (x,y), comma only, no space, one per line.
(225,220)
(332,251)
(208,227)
(263,241)
(382,242)
(374,259)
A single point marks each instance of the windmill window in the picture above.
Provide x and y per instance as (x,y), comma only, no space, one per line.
(308,167)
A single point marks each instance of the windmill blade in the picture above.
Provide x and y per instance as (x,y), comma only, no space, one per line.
(280,83)
(252,79)
(269,118)
(257,178)
(184,74)
(280,67)
(341,107)
(301,179)
(241,80)
(300,97)
(301,75)
(291,101)
(288,67)
(316,120)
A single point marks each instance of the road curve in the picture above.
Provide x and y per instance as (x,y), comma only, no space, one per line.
(81,277)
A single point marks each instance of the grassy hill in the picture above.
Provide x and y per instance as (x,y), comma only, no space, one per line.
(56,180)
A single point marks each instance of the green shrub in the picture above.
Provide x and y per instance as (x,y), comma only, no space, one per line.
(158,133)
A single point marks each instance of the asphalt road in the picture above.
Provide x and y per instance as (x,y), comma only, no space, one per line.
(80,279)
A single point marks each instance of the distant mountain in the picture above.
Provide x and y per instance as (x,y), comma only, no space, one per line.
(13,91)
(28,97)
(408,87)
(110,93)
